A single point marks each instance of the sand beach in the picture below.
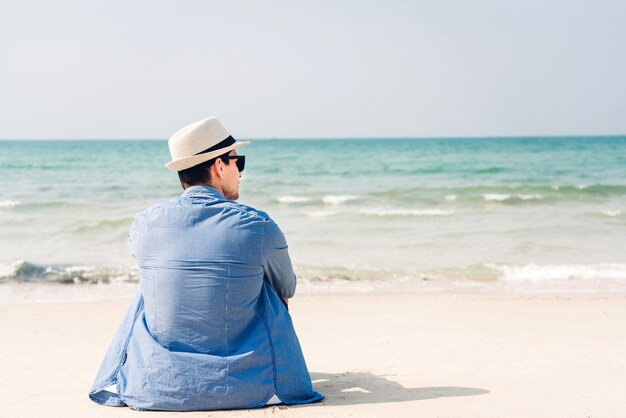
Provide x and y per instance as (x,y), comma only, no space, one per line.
(373,354)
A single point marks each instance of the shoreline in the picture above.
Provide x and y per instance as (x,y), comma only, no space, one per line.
(37,292)
(372,354)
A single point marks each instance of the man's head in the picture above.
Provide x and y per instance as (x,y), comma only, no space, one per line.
(222,173)
(204,153)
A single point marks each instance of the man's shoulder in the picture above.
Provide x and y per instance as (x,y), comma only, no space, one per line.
(244,210)
(248,210)
(154,208)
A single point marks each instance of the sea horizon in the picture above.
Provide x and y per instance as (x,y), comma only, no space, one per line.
(341,138)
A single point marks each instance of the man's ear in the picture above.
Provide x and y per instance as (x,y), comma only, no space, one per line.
(219,167)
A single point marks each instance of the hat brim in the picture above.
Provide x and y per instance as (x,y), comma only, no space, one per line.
(188,162)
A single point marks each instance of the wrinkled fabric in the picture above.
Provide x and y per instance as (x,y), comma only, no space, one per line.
(207,329)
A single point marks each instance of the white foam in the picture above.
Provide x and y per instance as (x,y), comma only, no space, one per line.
(292,199)
(337,200)
(24,271)
(321,214)
(451,197)
(611,212)
(8,204)
(530,196)
(582,186)
(494,197)
(77,269)
(406,212)
(8,269)
(536,272)
(555,187)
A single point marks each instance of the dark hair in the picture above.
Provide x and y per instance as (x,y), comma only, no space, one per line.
(199,174)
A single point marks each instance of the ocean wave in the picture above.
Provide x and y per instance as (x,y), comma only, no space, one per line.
(8,204)
(321,213)
(337,200)
(27,272)
(514,194)
(329,274)
(498,197)
(595,189)
(611,212)
(451,197)
(329,199)
(292,199)
(59,204)
(529,196)
(489,170)
(406,212)
(536,272)
(105,224)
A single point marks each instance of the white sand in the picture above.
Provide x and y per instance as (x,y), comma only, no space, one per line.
(373,355)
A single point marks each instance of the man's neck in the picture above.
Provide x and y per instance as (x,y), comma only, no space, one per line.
(210,184)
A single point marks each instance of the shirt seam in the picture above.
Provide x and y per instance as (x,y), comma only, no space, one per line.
(263,249)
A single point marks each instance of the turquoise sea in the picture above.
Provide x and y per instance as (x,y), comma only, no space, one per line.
(356,212)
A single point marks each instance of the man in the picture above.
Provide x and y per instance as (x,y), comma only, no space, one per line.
(207,329)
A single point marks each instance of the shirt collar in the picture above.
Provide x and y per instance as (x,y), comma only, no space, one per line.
(202,191)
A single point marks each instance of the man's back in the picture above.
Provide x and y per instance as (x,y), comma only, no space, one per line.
(200,255)
(209,330)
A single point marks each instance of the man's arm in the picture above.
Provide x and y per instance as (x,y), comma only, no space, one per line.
(276,262)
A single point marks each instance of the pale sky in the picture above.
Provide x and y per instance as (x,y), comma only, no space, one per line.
(295,69)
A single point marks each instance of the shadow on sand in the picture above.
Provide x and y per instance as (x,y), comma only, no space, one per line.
(355,388)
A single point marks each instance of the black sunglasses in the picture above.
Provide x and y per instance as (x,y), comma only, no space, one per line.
(240,160)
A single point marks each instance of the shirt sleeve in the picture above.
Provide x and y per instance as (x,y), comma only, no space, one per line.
(277,267)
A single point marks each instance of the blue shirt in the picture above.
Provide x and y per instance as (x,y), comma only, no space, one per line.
(207,329)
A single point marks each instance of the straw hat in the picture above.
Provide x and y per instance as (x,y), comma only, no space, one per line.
(199,142)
